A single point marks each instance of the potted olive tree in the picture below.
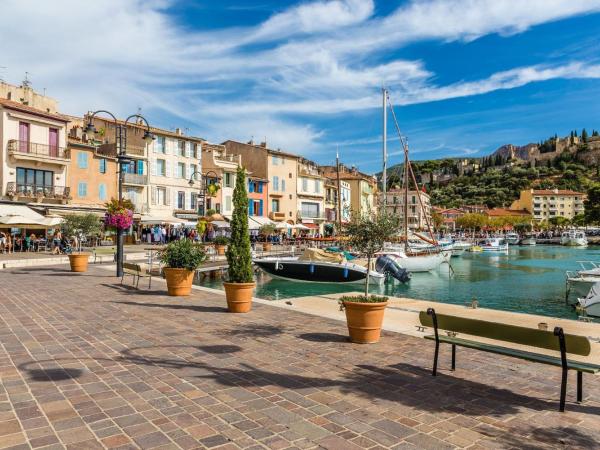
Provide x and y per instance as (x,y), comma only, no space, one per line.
(78,226)
(221,244)
(364,313)
(240,281)
(181,259)
(266,231)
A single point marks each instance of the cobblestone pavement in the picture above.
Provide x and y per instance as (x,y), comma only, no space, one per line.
(85,363)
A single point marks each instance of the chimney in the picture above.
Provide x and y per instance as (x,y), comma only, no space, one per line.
(178,131)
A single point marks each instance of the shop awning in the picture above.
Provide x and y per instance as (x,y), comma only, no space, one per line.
(158,219)
(7,209)
(260,220)
(311,226)
(220,224)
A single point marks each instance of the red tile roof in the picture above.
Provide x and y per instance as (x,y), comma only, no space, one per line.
(31,110)
(500,212)
(557,192)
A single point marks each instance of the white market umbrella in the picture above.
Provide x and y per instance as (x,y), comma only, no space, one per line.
(283,226)
(19,221)
(300,226)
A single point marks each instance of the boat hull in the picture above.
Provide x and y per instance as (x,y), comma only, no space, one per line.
(314,272)
(574,242)
(418,263)
(528,241)
(580,287)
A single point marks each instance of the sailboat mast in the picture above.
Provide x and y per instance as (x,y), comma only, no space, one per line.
(406,184)
(384,177)
(339,190)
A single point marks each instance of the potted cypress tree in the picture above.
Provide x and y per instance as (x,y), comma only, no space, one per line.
(181,259)
(364,313)
(240,281)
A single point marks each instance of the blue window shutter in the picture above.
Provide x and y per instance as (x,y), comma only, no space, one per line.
(260,187)
(251,207)
(140,167)
(102,191)
(250,186)
(260,208)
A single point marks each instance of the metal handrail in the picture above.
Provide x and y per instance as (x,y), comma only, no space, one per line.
(32,148)
(35,190)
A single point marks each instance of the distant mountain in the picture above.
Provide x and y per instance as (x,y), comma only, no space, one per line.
(508,151)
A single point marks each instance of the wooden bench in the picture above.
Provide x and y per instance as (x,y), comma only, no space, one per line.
(138,271)
(557,341)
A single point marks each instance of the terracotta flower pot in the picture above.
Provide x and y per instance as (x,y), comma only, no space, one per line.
(179,281)
(364,321)
(239,296)
(220,249)
(79,262)
(267,246)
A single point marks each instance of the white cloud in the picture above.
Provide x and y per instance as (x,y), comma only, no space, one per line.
(319,57)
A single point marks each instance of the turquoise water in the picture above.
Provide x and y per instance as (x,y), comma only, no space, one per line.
(527,279)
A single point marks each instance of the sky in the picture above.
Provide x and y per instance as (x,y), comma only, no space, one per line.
(464,76)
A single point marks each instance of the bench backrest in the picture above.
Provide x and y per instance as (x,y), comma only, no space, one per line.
(577,345)
(132,267)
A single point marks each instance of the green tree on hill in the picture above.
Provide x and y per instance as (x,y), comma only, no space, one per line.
(592,205)
(584,136)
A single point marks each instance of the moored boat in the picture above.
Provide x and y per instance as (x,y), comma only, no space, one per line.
(573,238)
(528,239)
(494,244)
(590,304)
(318,266)
(512,238)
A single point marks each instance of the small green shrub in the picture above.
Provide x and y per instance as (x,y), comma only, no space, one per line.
(183,254)
(221,240)
(363,299)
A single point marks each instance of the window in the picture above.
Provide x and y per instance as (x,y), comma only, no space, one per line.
(228,203)
(24,137)
(181,148)
(53,141)
(309,210)
(161,196)
(102,165)
(282,185)
(180,170)
(195,150)
(305,184)
(275,183)
(193,170)
(161,168)
(180,200)
(140,167)
(31,177)
(276,160)
(275,205)
(82,189)
(193,201)
(317,186)
(161,144)
(82,160)
(102,191)
(227,180)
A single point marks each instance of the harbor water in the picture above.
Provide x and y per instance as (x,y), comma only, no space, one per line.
(527,280)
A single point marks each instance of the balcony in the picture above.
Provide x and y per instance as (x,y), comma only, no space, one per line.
(310,215)
(135,179)
(25,150)
(110,149)
(277,215)
(38,192)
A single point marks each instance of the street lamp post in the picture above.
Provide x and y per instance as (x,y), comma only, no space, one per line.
(204,178)
(122,159)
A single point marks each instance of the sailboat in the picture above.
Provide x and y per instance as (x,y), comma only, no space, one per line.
(422,257)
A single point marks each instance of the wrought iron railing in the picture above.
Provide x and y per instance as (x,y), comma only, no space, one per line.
(134,178)
(37,190)
(42,150)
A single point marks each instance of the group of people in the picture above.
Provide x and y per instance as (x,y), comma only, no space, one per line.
(161,234)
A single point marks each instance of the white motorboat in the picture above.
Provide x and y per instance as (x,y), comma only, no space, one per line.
(573,238)
(494,244)
(590,304)
(512,238)
(528,239)
(459,247)
(580,282)
(424,261)
(318,266)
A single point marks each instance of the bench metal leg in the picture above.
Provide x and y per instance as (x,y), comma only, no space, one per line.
(579,387)
(435,359)
(122,277)
(558,332)
(431,312)
(453,356)
(563,390)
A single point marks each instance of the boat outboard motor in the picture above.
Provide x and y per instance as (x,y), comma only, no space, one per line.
(386,265)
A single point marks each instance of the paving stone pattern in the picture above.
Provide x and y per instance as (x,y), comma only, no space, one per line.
(86,363)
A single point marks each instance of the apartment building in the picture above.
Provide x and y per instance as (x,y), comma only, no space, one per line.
(258,196)
(173,157)
(33,148)
(279,168)
(362,189)
(219,168)
(310,195)
(544,204)
(92,172)
(331,199)
(419,212)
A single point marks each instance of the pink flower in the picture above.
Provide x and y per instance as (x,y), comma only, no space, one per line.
(120,219)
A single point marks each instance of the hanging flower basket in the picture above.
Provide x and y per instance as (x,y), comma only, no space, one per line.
(118,215)
(212,189)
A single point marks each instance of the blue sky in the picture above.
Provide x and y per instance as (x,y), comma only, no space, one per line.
(466,75)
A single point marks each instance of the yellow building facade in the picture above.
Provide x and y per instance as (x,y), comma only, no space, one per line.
(544,204)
